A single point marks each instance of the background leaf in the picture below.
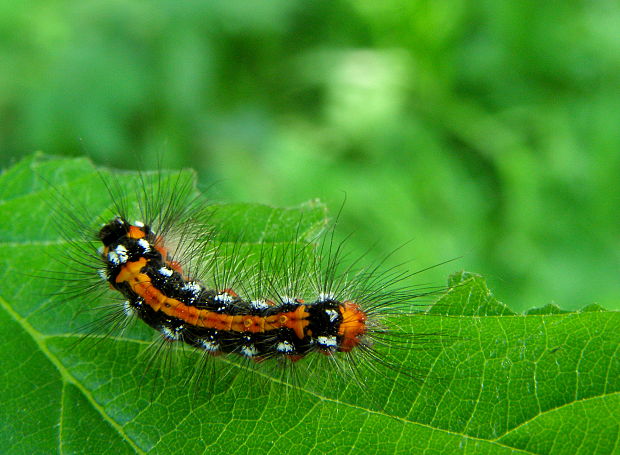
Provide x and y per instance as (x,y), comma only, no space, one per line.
(495,382)
(485,130)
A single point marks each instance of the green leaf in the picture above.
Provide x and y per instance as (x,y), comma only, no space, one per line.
(490,380)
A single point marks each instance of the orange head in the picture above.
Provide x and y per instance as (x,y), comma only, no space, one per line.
(353,325)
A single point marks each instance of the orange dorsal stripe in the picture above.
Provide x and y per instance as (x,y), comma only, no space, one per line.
(141,284)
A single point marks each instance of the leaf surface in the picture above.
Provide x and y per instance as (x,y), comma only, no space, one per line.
(489,380)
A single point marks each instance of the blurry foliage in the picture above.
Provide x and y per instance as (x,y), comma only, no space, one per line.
(486,130)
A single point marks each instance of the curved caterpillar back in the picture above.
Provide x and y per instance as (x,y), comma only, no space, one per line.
(162,248)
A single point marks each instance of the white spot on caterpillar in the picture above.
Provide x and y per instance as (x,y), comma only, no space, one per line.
(333,315)
(103,273)
(249,350)
(287,300)
(224,298)
(113,258)
(170,334)
(192,286)
(323,296)
(165,271)
(210,346)
(259,304)
(128,309)
(284,346)
(139,224)
(145,245)
(119,255)
(329,342)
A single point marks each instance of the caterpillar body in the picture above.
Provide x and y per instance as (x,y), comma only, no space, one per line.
(159,247)
(138,265)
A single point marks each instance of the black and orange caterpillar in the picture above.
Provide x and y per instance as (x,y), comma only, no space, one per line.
(175,275)
(138,265)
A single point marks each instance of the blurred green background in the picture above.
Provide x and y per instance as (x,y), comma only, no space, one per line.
(487,130)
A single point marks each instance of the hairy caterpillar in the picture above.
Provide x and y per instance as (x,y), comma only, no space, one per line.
(158,246)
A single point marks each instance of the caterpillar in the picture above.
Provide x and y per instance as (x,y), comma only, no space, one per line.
(158,249)
(138,265)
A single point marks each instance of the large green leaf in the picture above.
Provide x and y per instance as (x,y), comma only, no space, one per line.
(489,381)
